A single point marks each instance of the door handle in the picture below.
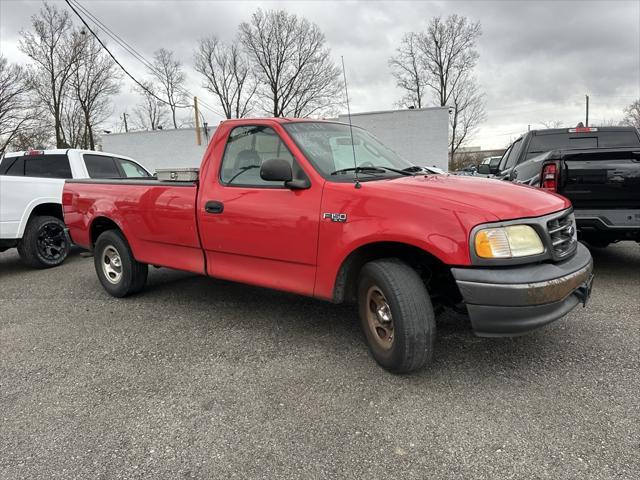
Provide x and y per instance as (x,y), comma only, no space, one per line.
(213,207)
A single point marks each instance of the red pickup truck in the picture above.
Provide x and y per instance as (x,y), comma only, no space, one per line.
(279,204)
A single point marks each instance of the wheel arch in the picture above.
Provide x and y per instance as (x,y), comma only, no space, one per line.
(429,266)
(99,225)
(40,207)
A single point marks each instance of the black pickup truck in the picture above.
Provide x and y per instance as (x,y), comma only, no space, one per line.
(598,169)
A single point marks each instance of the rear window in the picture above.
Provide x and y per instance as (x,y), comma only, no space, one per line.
(47,166)
(570,141)
(13,166)
(100,166)
(618,139)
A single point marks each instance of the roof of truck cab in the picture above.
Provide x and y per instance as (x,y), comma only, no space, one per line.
(551,131)
(65,151)
(280,120)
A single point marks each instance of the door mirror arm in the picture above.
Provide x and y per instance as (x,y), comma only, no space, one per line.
(298,184)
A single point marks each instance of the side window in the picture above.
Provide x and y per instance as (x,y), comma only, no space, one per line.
(131,169)
(14,166)
(247,147)
(513,154)
(503,160)
(100,166)
(47,166)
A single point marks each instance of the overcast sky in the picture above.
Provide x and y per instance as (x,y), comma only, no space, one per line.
(537,58)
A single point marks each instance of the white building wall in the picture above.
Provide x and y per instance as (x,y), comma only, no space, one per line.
(159,148)
(421,136)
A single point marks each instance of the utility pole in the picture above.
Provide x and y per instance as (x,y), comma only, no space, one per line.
(586,123)
(124,117)
(195,107)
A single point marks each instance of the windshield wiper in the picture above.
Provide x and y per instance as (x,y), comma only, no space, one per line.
(359,170)
(414,169)
(372,170)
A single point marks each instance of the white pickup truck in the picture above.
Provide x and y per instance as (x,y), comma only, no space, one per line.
(31,198)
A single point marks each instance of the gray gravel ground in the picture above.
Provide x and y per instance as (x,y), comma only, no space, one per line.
(198,378)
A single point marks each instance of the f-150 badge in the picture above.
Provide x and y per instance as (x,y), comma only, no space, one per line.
(335,217)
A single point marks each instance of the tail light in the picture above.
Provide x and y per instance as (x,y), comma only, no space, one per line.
(34,152)
(549,178)
(583,130)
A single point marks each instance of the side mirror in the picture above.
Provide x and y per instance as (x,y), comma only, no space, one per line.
(276,170)
(484,169)
(279,170)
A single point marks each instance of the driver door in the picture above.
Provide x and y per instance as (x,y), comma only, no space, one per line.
(256,231)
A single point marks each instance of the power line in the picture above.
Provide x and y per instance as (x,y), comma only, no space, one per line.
(120,41)
(114,58)
(137,55)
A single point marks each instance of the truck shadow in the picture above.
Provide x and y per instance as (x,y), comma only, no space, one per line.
(10,262)
(304,324)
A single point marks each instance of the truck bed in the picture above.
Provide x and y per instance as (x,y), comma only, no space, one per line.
(158,218)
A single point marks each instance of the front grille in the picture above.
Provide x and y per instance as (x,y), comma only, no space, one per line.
(562,234)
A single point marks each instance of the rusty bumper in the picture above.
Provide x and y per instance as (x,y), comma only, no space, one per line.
(514,300)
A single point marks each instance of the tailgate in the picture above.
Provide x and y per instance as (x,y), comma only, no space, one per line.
(602,179)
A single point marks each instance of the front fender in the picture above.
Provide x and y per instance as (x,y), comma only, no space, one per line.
(447,244)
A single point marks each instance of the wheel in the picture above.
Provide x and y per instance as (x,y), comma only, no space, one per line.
(45,243)
(119,273)
(396,315)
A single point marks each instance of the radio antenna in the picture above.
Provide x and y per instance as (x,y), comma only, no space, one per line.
(353,147)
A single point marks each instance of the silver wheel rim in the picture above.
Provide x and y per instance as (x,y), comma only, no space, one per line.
(111,265)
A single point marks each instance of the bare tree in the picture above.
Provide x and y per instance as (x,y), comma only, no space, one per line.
(407,67)
(150,113)
(17,111)
(37,135)
(94,80)
(552,123)
(632,114)
(54,49)
(292,64)
(467,112)
(73,123)
(227,75)
(606,122)
(449,54)
(441,60)
(167,70)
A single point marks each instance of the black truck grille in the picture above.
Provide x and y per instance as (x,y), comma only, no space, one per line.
(563,235)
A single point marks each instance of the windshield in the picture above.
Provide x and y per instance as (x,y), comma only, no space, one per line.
(328,147)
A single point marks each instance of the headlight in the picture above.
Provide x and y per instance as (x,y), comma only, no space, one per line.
(508,242)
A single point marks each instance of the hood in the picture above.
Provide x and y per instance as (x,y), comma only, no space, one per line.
(504,200)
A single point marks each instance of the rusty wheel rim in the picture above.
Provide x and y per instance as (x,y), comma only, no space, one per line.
(379,318)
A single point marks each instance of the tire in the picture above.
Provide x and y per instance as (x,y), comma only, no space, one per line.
(391,288)
(45,243)
(119,273)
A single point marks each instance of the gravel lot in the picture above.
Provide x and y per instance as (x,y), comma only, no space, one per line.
(198,378)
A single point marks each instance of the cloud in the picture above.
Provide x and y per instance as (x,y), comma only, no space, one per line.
(537,58)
